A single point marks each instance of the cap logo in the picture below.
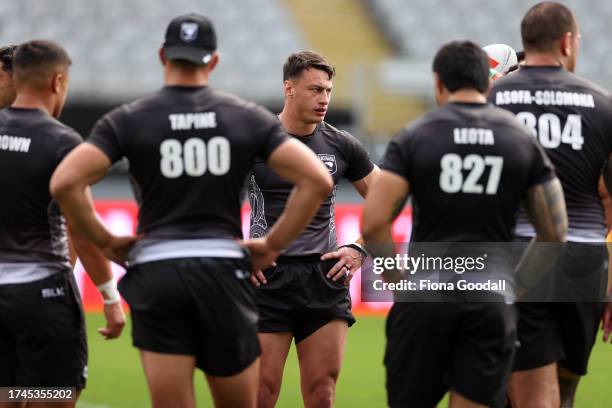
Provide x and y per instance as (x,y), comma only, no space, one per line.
(189,31)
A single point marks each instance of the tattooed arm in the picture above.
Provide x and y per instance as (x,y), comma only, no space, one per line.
(385,200)
(545,207)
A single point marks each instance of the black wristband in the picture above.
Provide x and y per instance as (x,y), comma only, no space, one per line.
(356,247)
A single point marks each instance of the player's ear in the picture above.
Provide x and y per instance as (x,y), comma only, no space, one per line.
(162,57)
(288,88)
(58,82)
(439,89)
(213,62)
(566,44)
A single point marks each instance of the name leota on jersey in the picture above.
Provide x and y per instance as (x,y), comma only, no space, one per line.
(473,136)
(15,144)
(197,120)
(544,97)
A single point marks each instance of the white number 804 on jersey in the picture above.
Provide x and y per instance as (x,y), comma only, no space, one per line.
(195,157)
(547,129)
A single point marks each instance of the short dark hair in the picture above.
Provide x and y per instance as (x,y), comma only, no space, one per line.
(6,57)
(462,65)
(297,62)
(37,59)
(545,24)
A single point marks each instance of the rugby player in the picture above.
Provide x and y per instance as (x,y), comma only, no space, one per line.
(305,296)
(190,149)
(42,331)
(463,190)
(572,119)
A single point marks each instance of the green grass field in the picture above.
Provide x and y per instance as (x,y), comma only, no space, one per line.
(116,378)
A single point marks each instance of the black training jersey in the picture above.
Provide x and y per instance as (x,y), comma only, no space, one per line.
(189,150)
(32,227)
(469,166)
(343,156)
(572,119)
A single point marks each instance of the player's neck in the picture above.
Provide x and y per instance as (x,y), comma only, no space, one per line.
(26,100)
(542,59)
(175,77)
(293,125)
(467,96)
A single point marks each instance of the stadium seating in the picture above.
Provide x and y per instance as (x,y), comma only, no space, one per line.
(113,43)
(419,27)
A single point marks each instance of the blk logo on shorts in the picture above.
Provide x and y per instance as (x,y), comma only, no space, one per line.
(52,292)
(329,160)
(189,31)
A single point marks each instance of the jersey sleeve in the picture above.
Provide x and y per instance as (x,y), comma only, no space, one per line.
(106,135)
(70,140)
(542,170)
(396,158)
(359,163)
(269,131)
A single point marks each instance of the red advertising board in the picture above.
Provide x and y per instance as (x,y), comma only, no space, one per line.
(120,218)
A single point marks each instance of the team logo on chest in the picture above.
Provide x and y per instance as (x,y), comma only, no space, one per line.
(189,31)
(329,160)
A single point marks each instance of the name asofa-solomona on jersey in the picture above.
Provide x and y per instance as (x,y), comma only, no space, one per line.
(189,150)
(33,239)
(343,155)
(572,119)
(469,166)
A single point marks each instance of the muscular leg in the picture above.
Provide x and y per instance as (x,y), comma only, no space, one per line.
(459,401)
(568,382)
(274,350)
(170,379)
(320,356)
(537,388)
(239,390)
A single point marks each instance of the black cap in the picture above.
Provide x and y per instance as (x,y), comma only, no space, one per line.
(190,37)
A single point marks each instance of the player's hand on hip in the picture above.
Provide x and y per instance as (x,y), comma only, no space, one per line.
(262,257)
(258,278)
(118,248)
(606,321)
(115,320)
(349,262)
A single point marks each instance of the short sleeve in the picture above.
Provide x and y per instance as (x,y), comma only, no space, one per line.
(395,159)
(359,163)
(542,170)
(106,135)
(70,140)
(270,133)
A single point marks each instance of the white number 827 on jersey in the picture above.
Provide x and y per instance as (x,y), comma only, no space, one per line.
(451,176)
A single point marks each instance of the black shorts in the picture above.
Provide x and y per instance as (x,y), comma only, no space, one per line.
(203,307)
(43,342)
(564,332)
(557,332)
(434,347)
(299,298)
